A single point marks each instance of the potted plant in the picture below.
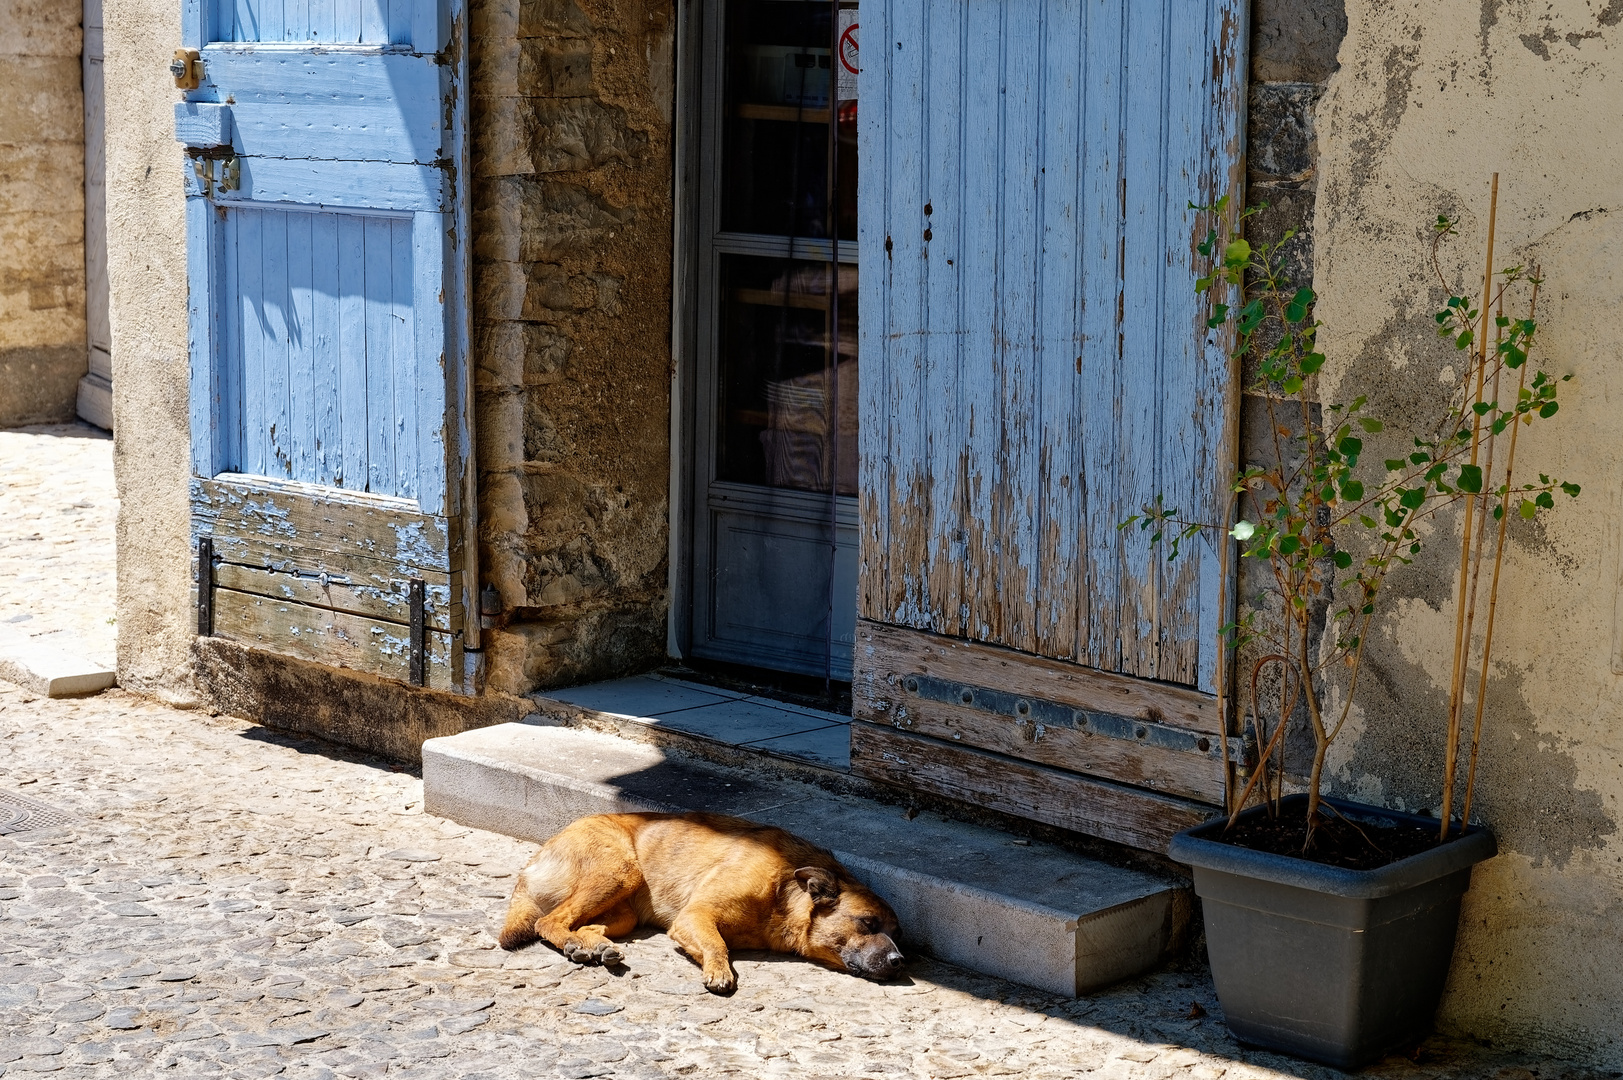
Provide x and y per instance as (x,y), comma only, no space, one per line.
(1330,925)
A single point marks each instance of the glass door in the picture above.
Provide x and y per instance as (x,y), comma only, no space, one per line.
(776,449)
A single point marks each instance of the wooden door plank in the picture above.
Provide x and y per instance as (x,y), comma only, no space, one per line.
(202,264)
(387,600)
(295,518)
(296,18)
(1142,371)
(380,430)
(301,383)
(1061,557)
(425,360)
(978,393)
(941,408)
(1099,410)
(874,470)
(374,22)
(1125,815)
(886,653)
(399,16)
(352,351)
(1016,482)
(335,638)
(404,361)
(1072,747)
(347,20)
(326,338)
(271,307)
(250,278)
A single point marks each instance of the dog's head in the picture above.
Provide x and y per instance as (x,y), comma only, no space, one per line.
(851,929)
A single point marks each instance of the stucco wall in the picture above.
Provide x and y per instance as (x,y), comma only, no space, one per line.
(571,119)
(42,212)
(1430,99)
(146,257)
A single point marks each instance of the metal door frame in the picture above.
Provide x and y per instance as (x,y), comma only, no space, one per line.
(700,67)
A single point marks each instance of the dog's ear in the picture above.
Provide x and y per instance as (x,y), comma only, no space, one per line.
(822,886)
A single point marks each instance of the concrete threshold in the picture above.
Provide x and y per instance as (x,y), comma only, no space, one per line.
(50,669)
(1021,910)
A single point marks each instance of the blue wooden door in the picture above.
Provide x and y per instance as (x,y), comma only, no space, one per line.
(1038,367)
(327,274)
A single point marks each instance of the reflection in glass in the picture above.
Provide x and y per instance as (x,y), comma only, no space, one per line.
(778,388)
(779,74)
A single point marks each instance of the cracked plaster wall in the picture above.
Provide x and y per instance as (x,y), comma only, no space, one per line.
(1430,99)
(572,232)
(42,213)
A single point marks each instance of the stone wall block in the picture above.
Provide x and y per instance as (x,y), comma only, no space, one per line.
(501,140)
(499,421)
(549,291)
(510,355)
(1296,40)
(582,133)
(552,18)
(561,220)
(1281,140)
(555,67)
(498,210)
(498,290)
(502,510)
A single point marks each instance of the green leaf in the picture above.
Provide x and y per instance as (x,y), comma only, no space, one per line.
(1243,530)
(1251,315)
(1419,459)
(1343,560)
(1292,385)
(1370,424)
(1571,489)
(1350,446)
(1528,510)
(1237,254)
(1289,545)
(1470,480)
(1312,362)
(1498,511)
(1366,521)
(1296,309)
(1463,340)
(1395,464)
(1549,409)
(1412,498)
(1352,490)
(1546,500)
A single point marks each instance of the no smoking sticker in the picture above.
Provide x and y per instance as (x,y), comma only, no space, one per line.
(848,66)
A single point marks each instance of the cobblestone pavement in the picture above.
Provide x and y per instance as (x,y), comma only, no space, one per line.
(227,901)
(58,506)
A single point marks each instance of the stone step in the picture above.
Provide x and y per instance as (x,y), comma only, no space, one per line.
(50,669)
(1028,912)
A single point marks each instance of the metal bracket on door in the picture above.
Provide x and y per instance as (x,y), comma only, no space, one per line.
(419,667)
(205,586)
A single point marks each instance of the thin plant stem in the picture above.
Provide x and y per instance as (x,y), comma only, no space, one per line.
(1493,587)
(1256,715)
(1457,679)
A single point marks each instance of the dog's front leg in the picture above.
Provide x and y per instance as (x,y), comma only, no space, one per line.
(695,932)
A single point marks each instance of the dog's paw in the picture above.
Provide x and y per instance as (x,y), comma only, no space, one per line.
(608,954)
(720,982)
(576,950)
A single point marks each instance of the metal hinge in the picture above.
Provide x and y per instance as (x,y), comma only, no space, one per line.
(205,586)
(419,666)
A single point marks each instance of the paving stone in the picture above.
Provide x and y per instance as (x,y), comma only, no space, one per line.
(597,1007)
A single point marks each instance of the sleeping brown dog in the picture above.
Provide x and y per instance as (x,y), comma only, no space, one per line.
(711,882)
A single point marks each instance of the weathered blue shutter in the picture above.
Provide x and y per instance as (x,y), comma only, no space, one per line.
(1036,365)
(327,270)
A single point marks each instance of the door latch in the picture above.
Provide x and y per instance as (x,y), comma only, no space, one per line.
(187,69)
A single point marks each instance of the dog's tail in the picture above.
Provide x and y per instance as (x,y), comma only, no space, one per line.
(541,886)
(522,912)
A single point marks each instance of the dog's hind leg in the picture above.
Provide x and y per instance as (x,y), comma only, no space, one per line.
(696,933)
(519,927)
(618,921)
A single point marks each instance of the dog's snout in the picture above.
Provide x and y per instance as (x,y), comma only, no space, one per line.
(893,960)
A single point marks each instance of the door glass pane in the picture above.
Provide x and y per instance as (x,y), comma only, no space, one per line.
(778,385)
(775,117)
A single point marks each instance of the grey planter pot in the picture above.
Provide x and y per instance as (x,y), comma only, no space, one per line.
(1338,966)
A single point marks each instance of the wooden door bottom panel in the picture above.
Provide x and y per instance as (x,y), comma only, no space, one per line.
(336,638)
(1052,712)
(388,602)
(1138,818)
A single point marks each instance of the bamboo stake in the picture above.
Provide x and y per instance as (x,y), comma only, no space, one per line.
(1457,682)
(1493,587)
